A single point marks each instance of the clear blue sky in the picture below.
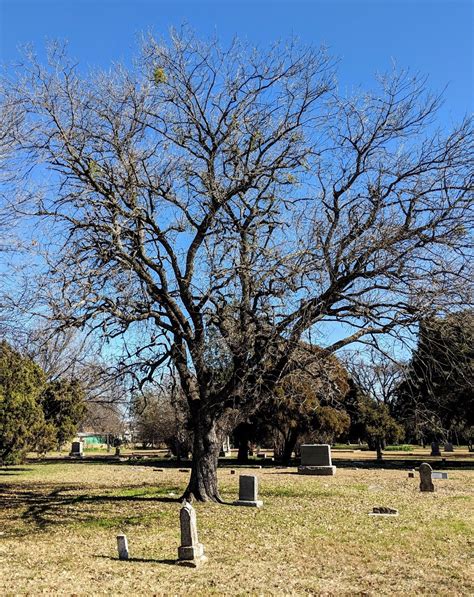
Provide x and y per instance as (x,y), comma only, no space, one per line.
(431,36)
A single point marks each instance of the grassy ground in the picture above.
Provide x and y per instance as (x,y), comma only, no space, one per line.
(58,524)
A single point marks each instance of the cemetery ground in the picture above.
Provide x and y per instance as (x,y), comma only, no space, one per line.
(59,521)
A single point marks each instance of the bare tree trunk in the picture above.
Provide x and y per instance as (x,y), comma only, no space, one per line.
(241,434)
(207,444)
(378,447)
(290,442)
(243,454)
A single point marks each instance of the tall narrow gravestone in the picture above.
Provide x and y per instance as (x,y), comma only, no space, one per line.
(435,451)
(426,484)
(190,552)
(122,547)
(248,492)
(316,460)
(225,450)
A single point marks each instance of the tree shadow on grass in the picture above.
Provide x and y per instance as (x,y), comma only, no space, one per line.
(140,560)
(57,507)
(5,472)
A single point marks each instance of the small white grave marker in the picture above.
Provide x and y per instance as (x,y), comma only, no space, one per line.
(122,546)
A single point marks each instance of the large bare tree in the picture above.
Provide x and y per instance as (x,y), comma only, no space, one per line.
(211,207)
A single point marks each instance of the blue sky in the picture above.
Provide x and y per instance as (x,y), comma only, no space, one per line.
(434,37)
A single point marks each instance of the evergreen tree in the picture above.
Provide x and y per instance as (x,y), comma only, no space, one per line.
(34,415)
(22,419)
(437,398)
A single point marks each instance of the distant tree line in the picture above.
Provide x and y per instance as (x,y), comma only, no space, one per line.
(372,400)
(322,400)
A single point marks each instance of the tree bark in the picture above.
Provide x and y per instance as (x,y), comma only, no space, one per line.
(290,443)
(207,443)
(379,450)
(241,433)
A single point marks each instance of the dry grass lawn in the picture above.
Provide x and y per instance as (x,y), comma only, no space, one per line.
(313,535)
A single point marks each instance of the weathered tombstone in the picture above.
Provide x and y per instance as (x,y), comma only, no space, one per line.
(248,492)
(448,447)
(225,450)
(316,460)
(426,484)
(117,451)
(122,547)
(77,450)
(435,451)
(190,552)
(439,475)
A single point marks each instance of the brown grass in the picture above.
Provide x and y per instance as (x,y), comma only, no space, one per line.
(313,535)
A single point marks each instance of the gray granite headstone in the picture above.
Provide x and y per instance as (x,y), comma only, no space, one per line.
(448,447)
(435,451)
(426,484)
(248,492)
(439,475)
(316,455)
(316,460)
(77,449)
(190,552)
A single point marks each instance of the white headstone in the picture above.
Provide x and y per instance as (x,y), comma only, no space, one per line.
(122,547)
(226,451)
(190,552)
